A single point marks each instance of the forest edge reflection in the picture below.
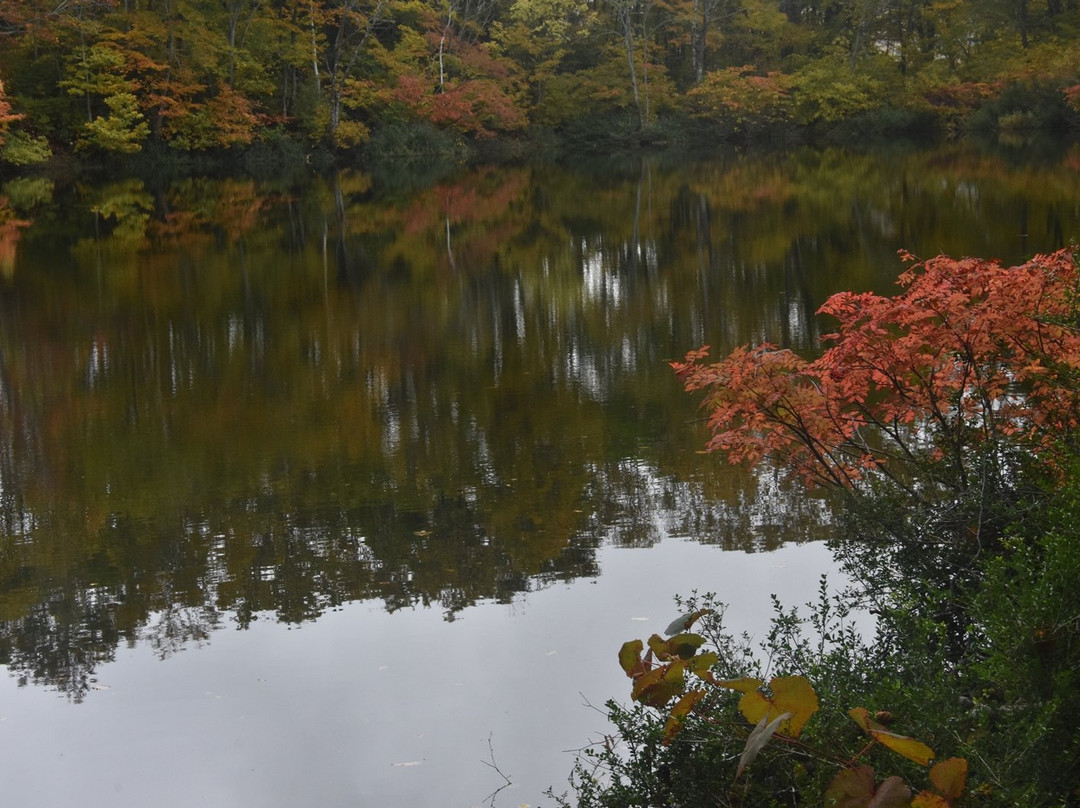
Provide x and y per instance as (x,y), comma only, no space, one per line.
(222,399)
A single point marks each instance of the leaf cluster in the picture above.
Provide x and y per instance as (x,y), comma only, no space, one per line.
(971,366)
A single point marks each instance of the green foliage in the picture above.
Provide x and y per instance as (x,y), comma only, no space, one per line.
(22,149)
(1025,106)
(412,141)
(1029,660)
(977,645)
(97,70)
(830,90)
(695,744)
(122,130)
(277,155)
(1006,714)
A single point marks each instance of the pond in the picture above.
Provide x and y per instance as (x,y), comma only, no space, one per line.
(346,491)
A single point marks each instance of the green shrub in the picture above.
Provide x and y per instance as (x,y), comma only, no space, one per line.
(21,149)
(1024,107)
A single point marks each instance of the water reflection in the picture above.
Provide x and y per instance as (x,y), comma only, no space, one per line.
(220,399)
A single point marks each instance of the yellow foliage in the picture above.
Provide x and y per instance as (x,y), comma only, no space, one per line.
(910,748)
(790,694)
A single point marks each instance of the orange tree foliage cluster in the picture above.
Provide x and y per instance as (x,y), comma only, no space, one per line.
(970,360)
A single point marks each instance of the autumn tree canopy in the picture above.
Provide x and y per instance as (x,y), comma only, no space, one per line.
(115,75)
(970,367)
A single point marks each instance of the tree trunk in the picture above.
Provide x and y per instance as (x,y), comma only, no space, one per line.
(626,23)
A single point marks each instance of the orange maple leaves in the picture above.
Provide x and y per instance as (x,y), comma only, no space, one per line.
(970,355)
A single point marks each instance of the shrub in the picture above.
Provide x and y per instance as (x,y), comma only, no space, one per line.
(946,414)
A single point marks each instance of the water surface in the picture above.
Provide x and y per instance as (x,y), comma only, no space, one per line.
(338,492)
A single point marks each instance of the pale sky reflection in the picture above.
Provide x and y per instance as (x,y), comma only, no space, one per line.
(364,708)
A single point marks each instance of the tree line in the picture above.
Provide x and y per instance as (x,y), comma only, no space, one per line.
(117,76)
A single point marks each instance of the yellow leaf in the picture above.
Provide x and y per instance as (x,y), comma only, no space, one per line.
(657,687)
(793,694)
(790,694)
(679,712)
(701,666)
(910,748)
(950,777)
(913,750)
(630,658)
(658,645)
(745,685)
(754,706)
(861,716)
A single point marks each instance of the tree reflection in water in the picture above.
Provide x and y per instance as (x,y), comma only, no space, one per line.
(221,400)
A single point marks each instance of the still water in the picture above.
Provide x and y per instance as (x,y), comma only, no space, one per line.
(345,491)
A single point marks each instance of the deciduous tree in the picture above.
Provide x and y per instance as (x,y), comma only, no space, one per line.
(970,363)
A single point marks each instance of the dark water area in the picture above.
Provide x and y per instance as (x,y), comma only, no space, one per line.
(347,492)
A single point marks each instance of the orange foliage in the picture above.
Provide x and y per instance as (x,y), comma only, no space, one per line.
(476,106)
(966,96)
(10,234)
(7,117)
(741,93)
(1072,97)
(970,354)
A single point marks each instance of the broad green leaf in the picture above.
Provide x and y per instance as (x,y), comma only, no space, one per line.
(910,748)
(851,788)
(679,712)
(950,777)
(630,658)
(759,737)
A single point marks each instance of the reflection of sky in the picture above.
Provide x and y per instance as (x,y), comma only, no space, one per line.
(363,708)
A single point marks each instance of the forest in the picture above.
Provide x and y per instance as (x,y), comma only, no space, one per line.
(311,79)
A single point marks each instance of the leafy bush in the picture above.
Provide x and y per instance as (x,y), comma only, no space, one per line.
(741,100)
(947,416)
(275,155)
(829,90)
(22,149)
(1008,711)
(413,141)
(783,741)
(1024,106)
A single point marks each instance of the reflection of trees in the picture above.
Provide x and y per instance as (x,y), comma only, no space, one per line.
(234,403)
(60,639)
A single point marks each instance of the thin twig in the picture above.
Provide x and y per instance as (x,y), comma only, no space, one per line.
(490,799)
